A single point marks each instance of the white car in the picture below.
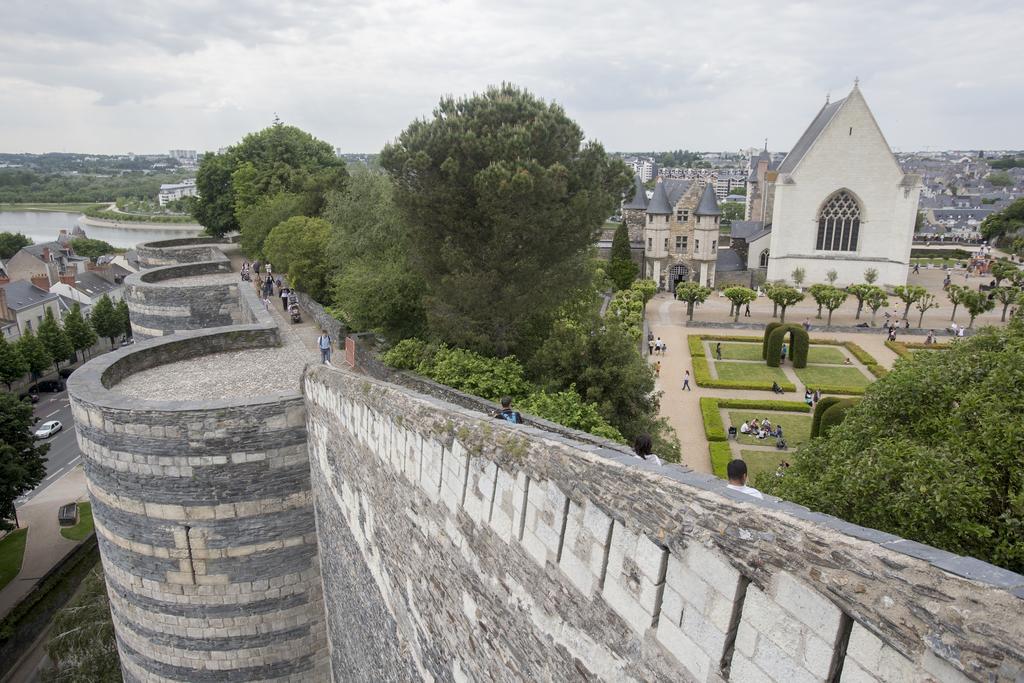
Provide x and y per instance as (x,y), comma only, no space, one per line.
(48,429)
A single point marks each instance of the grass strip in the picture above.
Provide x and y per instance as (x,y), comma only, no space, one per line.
(12,550)
(80,531)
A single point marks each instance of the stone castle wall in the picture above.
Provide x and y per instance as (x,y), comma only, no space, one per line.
(203,512)
(177,251)
(469,549)
(158,307)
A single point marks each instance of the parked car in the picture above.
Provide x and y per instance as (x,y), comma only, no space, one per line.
(51,385)
(31,395)
(48,429)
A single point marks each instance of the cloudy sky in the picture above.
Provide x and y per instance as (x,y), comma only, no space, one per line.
(112,76)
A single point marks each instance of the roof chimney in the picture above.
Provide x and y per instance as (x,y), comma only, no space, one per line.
(5,313)
(42,282)
(46,254)
(68,279)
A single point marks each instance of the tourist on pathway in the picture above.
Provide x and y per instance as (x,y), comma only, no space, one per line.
(746,313)
(737,471)
(284,298)
(324,344)
(807,324)
(506,413)
(657,368)
(650,345)
(718,351)
(686,381)
(782,361)
(917,268)
(643,448)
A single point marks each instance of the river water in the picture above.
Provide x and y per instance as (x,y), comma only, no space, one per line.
(44,226)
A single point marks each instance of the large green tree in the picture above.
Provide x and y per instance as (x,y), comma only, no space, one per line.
(268,212)
(934,452)
(79,330)
(55,339)
(124,317)
(276,159)
(373,287)
(1009,221)
(861,292)
(504,200)
(297,247)
(784,296)
(22,458)
(909,295)
(91,248)
(34,353)
(11,243)
(622,268)
(692,293)
(739,296)
(833,299)
(105,320)
(12,366)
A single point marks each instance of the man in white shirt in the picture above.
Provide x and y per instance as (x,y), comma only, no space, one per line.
(737,471)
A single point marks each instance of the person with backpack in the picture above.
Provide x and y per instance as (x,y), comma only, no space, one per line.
(506,413)
(324,344)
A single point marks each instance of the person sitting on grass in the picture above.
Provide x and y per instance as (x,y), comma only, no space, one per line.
(776,388)
(744,428)
(778,431)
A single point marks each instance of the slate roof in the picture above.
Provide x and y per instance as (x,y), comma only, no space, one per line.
(675,188)
(729,261)
(659,202)
(708,203)
(744,229)
(639,200)
(56,248)
(92,285)
(22,294)
(802,145)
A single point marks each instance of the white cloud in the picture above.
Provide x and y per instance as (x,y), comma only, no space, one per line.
(113,76)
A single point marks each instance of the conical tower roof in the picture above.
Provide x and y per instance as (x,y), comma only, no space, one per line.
(659,202)
(639,200)
(708,203)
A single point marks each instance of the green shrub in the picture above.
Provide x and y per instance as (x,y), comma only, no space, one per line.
(721,456)
(860,354)
(899,348)
(695,344)
(824,404)
(714,429)
(877,370)
(768,329)
(468,371)
(757,404)
(798,347)
(834,414)
(729,338)
(840,389)
(568,409)
(406,354)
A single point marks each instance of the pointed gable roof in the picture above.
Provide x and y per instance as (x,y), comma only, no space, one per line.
(659,202)
(806,141)
(708,203)
(639,200)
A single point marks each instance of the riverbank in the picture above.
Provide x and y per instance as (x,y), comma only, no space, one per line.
(180,229)
(51,207)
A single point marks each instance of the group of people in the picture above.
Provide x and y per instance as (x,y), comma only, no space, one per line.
(656,346)
(761,429)
(812,396)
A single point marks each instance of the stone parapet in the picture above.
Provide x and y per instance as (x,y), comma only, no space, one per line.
(176,251)
(461,548)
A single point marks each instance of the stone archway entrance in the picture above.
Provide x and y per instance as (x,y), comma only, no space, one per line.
(676,274)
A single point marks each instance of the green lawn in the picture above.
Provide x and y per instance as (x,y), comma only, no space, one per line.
(81,530)
(823,375)
(825,354)
(12,549)
(749,372)
(796,427)
(50,206)
(737,351)
(765,462)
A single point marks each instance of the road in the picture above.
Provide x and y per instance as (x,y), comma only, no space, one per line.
(64,453)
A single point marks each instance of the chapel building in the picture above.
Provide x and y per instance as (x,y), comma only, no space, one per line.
(838,201)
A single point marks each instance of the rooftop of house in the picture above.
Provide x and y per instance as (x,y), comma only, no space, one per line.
(22,294)
(92,285)
(728,261)
(708,205)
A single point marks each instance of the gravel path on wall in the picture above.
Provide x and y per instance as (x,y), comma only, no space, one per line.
(197,280)
(224,375)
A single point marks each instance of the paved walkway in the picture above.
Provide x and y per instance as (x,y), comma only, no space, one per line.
(667,319)
(45,546)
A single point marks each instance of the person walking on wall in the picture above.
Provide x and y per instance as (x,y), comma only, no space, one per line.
(506,413)
(323,342)
(686,381)
(284,298)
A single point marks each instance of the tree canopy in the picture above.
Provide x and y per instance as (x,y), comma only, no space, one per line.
(22,458)
(277,159)
(11,243)
(33,352)
(12,366)
(622,269)
(78,329)
(55,339)
(91,248)
(105,320)
(503,201)
(1010,220)
(297,247)
(934,452)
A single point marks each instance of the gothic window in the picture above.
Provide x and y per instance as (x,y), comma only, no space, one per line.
(686,215)
(763,259)
(681,243)
(839,223)
(666,244)
(650,243)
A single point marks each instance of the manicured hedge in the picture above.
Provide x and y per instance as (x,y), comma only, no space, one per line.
(899,348)
(729,338)
(824,404)
(702,371)
(858,352)
(834,414)
(840,389)
(902,349)
(721,456)
(797,351)
(714,428)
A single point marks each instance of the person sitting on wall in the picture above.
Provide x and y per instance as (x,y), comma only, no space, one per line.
(737,472)
(506,413)
(643,447)
(776,388)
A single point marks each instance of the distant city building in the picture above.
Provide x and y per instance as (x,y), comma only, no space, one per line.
(185,156)
(170,192)
(643,167)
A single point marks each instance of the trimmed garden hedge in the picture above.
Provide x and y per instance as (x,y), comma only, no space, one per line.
(775,337)
(902,349)
(834,414)
(721,456)
(714,428)
(702,371)
(822,405)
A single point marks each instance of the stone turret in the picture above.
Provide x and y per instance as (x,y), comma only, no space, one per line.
(656,232)
(706,234)
(634,212)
